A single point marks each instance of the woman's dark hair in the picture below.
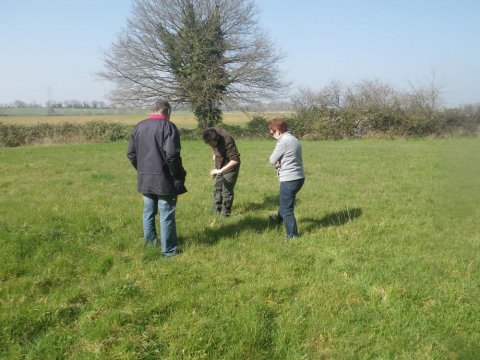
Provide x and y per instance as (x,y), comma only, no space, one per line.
(278,124)
(210,136)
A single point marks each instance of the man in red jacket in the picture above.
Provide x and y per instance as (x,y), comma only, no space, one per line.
(154,151)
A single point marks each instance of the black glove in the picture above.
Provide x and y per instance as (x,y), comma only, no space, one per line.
(179,187)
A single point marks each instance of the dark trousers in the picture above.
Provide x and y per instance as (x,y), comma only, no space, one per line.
(223,192)
(288,192)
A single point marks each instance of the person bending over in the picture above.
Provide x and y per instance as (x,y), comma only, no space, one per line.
(227,165)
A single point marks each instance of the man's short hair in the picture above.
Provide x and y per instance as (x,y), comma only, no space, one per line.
(210,136)
(162,106)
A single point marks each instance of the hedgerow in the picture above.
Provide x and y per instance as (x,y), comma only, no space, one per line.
(94,131)
(311,124)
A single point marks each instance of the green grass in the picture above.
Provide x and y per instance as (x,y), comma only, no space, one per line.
(387,266)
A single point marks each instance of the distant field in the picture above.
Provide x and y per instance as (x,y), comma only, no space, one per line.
(182,119)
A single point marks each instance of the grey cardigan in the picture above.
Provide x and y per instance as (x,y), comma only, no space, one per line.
(288,152)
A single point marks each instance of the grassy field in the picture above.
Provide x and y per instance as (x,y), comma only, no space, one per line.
(387,266)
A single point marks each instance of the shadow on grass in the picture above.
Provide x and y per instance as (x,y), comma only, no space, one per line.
(232,228)
(268,202)
(336,218)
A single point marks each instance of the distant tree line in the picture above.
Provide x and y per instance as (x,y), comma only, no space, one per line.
(54,104)
(272,106)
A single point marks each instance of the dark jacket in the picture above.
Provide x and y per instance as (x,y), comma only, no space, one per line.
(154,151)
(225,150)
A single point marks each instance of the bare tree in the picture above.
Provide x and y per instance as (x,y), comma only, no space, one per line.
(202,52)
(306,99)
(428,95)
(372,95)
(333,95)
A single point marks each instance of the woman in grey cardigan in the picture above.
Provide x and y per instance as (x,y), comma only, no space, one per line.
(287,159)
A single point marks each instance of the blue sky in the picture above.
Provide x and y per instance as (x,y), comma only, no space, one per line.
(52,48)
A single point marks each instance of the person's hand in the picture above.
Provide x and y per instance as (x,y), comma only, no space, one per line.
(179,187)
(278,165)
(215,172)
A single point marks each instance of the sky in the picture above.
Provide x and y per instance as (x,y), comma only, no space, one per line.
(51,49)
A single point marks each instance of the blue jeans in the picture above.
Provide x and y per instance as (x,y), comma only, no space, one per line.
(288,191)
(168,228)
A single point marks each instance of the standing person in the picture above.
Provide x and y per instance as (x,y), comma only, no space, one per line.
(287,159)
(154,151)
(227,166)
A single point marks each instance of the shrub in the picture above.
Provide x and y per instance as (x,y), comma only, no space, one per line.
(258,128)
(236,131)
(300,125)
(191,134)
(12,135)
(16,135)
(419,124)
(333,123)
(106,132)
(456,122)
(117,132)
